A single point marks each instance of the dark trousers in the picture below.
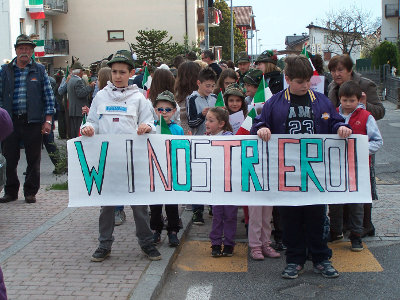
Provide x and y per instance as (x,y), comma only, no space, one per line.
(75,125)
(51,147)
(62,124)
(156,221)
(305,227)
(30,135)
(276,219)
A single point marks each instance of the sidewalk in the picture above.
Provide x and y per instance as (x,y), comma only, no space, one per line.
(45,248)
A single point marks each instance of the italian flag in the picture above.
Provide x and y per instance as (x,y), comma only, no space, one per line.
(263,92)
(304,52)
(247,123)
(36,9)
(220,100)
(162,127)
(146,78)
(39,49)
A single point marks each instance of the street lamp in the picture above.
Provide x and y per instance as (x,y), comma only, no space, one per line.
(257,30)
(259,43)
(232,35)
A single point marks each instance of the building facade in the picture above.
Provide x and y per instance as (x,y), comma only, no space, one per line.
(390,20)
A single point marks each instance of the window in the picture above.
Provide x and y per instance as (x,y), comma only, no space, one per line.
(115,35)
(22,26)
(36,27)
(326,40)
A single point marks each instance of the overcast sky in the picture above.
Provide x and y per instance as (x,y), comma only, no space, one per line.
(277,19)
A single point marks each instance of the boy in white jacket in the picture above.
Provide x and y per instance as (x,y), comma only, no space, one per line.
(121,109)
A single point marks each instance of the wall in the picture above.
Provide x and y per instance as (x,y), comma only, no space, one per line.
(389,25)
(87,21)
(5,45)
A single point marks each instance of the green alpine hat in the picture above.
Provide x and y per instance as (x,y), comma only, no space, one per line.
(166,96)
(253,77)
(122,56)
(76,65)
(243,57)
(234,89)
(267,56)
(23,39)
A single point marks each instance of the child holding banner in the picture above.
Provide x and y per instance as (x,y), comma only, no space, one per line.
(165,107)
(299,110)
(224,216)
(197,105)
(361,121)
(119,109)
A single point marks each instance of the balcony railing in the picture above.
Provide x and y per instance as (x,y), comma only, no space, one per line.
(212,16)
(55,7)
(56,47)
(391,10)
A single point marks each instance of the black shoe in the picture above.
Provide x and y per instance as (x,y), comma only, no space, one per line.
(151,252)
(156,237)
(173,239)
(198,217)
(335,237)
(30,199)
(278,246)
(356,243)
(7,198)
(100,254)
(326,269)
(216,251)
(228,250)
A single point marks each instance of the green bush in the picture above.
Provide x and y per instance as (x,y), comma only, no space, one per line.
(386,53)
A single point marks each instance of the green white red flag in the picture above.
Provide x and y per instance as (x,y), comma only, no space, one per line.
(263,92)
(305,53)
(146,76)
(39,49)
(162,126)
(36,9)
(220,100)
(247,123)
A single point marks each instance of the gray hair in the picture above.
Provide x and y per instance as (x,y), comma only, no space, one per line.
(76,71)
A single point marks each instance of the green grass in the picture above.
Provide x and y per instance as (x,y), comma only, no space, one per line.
(59,186)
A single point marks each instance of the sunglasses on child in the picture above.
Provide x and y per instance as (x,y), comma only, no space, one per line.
(160,109)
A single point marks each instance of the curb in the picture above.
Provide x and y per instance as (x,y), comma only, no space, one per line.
(152,280)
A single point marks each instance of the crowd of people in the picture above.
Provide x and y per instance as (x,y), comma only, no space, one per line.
(184,97)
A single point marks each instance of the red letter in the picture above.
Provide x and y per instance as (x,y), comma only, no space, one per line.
(153,160)
(282,168)
(352,158)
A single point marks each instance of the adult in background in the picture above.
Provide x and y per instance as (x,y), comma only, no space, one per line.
(208,57)
(78,93)
(244,66)
(26,94)
(266,62)
(341,68)
(6,129)
(61,101)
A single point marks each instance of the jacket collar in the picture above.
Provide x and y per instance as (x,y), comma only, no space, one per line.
(310,92)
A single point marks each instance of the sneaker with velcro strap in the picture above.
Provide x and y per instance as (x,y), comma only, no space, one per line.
(292,271)
(326,269)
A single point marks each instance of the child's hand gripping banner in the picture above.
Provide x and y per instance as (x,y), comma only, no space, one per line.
(289,170)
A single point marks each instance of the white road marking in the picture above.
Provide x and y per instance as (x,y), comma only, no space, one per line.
(199,292)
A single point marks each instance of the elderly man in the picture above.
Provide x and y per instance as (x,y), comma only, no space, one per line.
(26,94)
(244,66)
(208,57)
(78,96)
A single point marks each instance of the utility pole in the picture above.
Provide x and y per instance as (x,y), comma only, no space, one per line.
(232,36)
(206,32)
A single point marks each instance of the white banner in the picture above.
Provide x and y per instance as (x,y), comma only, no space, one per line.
(238,170)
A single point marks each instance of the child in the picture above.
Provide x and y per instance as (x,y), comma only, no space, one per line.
(165,105)
(234,99)
(251,82)
(226,78)
(303,226)
(129,112)
(224,216)
(362,122)
(197,105)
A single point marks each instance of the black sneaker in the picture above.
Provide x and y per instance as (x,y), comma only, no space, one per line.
(326,269)
(356,244)
(100,254)
(292,271)
(278,246)
(173,239)
(156,237)
(198,217)
(335,237)
(151,252)
(210,213)
(228,250)
(216,251)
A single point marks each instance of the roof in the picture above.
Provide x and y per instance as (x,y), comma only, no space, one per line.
(292,40)
(243,16)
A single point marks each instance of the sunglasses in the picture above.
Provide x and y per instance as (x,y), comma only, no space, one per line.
(160,109)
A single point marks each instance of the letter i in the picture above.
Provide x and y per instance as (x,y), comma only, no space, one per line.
(129,166)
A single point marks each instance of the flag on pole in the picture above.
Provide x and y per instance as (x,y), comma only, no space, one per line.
(247,123)
(305,53)
(162,126)
(146,78)
(39,49)
(259,97)
(36,9)
(67,72)
(220,100)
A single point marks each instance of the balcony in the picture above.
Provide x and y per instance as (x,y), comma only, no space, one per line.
(55,7)
(391,10)
(56,47)
(213,19)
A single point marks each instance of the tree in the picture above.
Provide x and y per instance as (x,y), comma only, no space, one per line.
(347,28)
(221,35)
(386,53)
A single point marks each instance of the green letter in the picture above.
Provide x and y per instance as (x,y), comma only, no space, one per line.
(248,165)
(306,169)
(91,175)
(175,145)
